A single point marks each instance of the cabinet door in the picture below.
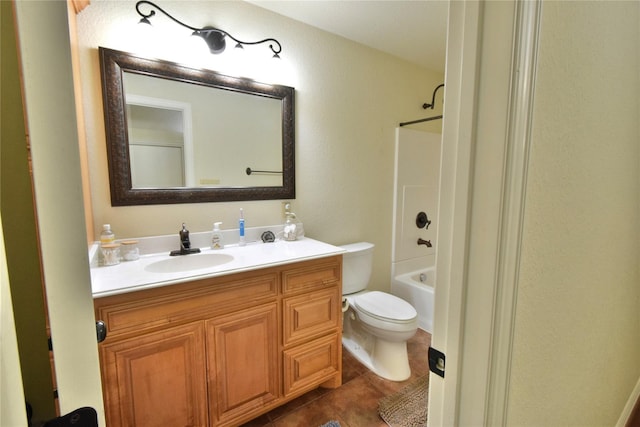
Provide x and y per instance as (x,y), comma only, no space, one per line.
(243,363)
(158,379)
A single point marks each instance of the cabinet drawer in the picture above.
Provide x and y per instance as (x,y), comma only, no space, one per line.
(308,365)
(312,275)
(310,315)
(136,312)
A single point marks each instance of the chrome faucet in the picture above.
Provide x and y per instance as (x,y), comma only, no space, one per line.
(185,243)
(424,242)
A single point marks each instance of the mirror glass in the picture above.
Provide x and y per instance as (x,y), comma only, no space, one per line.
(181,135)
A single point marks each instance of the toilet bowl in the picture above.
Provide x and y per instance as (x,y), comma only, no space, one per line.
(376,325)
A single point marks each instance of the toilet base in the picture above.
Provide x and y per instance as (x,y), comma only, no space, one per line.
(388,360)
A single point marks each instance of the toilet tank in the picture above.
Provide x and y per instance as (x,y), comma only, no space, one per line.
(357,265)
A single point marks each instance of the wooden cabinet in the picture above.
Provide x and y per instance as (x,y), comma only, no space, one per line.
(221,351)
(158,378)
(312,298)
(243,369)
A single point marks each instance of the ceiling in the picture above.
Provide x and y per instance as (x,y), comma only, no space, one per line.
(414,30)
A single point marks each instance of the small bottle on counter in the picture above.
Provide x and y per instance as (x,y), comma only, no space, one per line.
(216,238)
(106,236)
(241,241)
(109,249)
(290,228)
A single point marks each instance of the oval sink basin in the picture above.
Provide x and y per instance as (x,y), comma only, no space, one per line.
(188,262)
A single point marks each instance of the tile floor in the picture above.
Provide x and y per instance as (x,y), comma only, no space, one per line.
(355,403)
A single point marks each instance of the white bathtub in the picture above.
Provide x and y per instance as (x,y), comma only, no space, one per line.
(417,288)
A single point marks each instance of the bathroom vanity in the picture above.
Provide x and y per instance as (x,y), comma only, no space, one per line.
(222,344)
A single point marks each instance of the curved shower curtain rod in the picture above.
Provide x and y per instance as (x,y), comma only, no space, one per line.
(425,106)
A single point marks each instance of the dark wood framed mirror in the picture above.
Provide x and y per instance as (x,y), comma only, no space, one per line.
(182,135)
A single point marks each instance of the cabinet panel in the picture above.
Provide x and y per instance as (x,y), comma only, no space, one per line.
(156,379)
(244,368)
(312,275)
(310,315)
(310,364)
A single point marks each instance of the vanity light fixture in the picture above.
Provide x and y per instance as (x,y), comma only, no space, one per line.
(214,37)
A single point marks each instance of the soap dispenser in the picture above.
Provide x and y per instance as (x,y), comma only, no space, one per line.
(216,238)
(290,228)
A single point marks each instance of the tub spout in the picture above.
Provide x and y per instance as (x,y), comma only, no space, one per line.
(424,242)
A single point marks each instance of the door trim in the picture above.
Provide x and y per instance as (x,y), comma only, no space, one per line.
(486,139)
(523,74)
(458,134)
(49,101)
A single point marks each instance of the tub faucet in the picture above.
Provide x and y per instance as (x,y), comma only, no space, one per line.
(185,243)
(424,242)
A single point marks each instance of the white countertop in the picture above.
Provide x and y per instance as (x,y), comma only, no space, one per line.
(131,276)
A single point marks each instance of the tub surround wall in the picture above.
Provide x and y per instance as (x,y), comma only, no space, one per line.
(417,187)
(349,99)
(417,180)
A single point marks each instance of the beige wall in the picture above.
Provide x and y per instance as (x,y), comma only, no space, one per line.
(349,99)
(577,336)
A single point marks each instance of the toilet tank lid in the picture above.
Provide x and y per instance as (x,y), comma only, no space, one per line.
(357,247)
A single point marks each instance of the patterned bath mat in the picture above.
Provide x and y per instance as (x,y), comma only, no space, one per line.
(407,407)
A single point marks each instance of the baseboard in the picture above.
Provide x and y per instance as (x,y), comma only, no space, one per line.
(631,408)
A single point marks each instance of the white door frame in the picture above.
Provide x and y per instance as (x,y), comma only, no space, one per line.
(486,136)
(188,167)
(51,121)
(457,138)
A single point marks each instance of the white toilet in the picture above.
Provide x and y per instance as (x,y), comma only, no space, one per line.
(376,325)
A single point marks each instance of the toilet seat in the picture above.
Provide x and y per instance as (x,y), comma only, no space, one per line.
(385,306)
(386,311)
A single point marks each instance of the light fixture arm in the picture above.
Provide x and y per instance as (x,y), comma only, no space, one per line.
(275,50)
(145,17)
(214,37)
